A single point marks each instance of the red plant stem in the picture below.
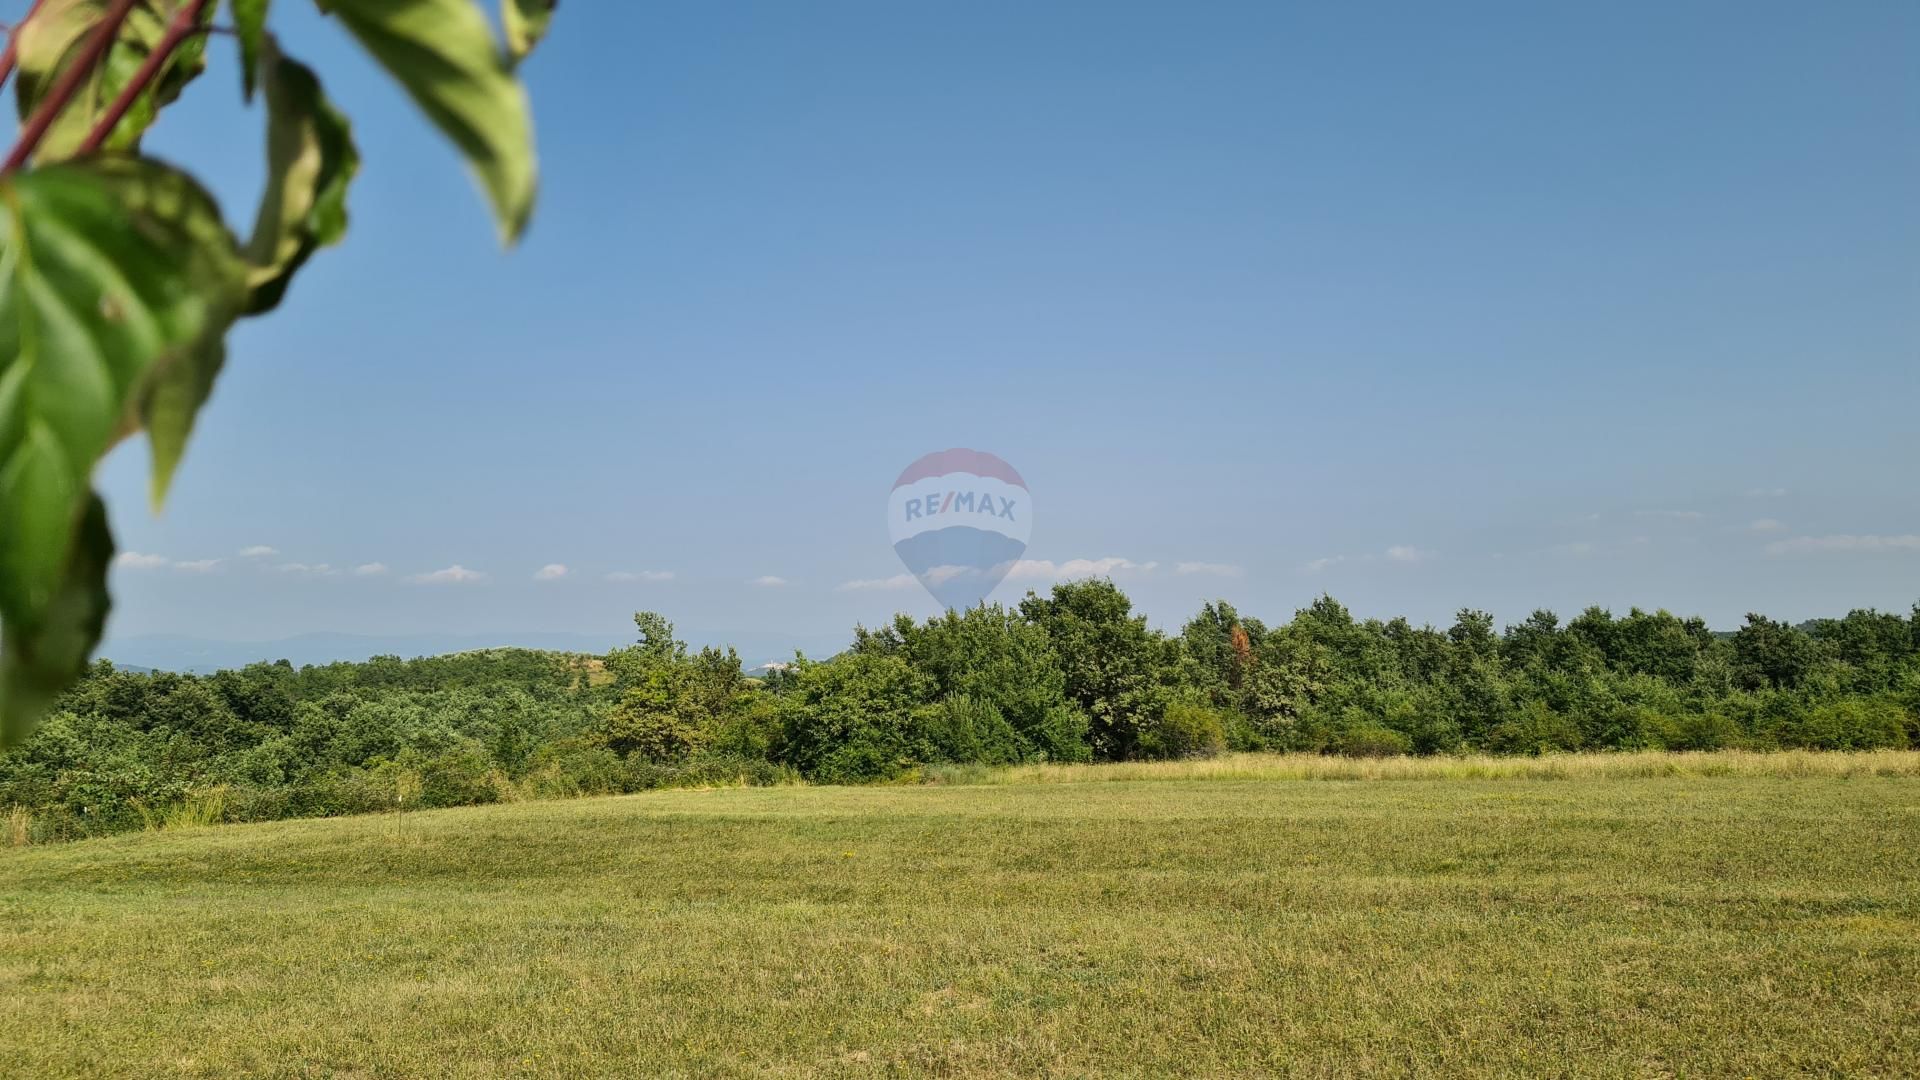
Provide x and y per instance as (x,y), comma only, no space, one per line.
(184,24)
(12,51)
(69,82)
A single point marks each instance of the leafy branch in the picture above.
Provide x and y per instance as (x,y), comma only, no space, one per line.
(10,54)
(119,277)
(70,79)
(184,24)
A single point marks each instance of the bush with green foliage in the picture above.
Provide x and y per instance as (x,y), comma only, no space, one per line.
(1184,729)
(1367,739)
(1867,723)
(966,729)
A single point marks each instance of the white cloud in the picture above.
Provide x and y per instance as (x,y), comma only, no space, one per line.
(452,575)
(308,569)
(1032,568)
(137,560)
(1214,569)
(897,581)
(1045,569)
(1671,515)
(258,551)
(1767,525)
(1844,543)
(371,569)
(1767,493)
(768,581)
(1400,553)
(643,575)
(553,571)
(1581,549)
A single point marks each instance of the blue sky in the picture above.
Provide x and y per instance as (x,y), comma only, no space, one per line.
(1504,305)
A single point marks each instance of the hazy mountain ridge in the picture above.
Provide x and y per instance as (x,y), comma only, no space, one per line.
(178,652)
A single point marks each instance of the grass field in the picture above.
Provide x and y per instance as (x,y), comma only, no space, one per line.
(1751,919)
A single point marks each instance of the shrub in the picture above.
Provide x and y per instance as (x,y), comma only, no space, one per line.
(1699,731)
(1622,727)
(1371,741)
(249,802)
(343,791)
(1061,735)
(1242,736)
(576,769)
(1536,730)
(1184,729)
(708,770)
(966,729)
(1314,730)
(1852,724)
(1907,692)
(860,716)
(1425,723)
(750,731)
(459,777)
(858,763)
(639,727)
(197,810)
(1628,713)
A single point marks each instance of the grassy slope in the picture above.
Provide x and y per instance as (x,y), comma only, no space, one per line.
(1737,924)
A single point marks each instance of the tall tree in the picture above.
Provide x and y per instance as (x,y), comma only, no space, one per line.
(1118,671)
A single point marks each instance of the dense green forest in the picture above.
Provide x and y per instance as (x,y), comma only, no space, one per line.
(1075,675)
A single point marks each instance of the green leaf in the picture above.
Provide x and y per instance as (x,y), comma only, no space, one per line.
(250,26)
(171,404)
(44,42)
(526,23)
(59,30)
(444,55)
(206,261)
(116,276)
(310,162)
(39,659)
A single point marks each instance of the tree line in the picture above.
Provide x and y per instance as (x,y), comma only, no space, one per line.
(1073,675)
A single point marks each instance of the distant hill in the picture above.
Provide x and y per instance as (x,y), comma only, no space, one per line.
(173,652)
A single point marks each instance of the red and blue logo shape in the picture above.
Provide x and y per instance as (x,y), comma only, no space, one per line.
(960,520)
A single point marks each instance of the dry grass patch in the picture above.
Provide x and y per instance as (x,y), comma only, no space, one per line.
(1596,766)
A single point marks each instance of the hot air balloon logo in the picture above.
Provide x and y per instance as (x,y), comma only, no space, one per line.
(960,519)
